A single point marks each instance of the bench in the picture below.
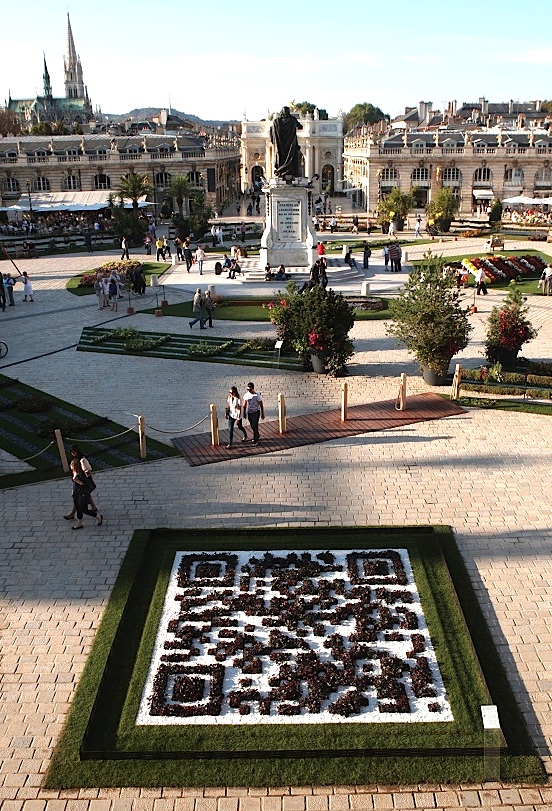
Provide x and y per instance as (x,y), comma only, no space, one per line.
(26,253)
(495,241)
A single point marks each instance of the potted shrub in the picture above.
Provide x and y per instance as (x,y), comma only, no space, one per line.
(443,208)
(316,324)
(508,328)
(395,207)
(428,319)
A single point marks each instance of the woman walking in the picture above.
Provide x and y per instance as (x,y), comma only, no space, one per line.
(81,496)
(234,415)
(27,287)
(86,469)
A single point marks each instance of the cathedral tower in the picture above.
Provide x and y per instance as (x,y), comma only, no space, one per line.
(46,80)
(74,85)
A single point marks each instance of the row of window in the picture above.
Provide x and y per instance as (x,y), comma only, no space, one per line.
(101,181)
(453,175)
(73,152)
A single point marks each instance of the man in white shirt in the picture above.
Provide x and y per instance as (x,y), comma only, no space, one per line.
(253,410)
(200,258)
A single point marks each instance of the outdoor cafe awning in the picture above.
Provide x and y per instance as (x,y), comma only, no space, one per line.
(522,200)
(483,194)
(68,201)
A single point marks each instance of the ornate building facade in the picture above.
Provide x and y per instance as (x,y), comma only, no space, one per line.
(74,108)
(34,164)
(480,164)
(321,143)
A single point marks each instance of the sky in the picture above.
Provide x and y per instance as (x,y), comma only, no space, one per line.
(221,59)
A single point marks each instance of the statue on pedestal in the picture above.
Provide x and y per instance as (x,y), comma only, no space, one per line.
(283,134)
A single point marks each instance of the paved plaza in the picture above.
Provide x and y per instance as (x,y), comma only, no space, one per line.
(485,473)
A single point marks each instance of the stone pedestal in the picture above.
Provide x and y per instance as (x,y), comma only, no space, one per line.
(289,238)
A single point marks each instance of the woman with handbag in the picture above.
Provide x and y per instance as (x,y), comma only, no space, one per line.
(234,415)
(81,496)
(86,470)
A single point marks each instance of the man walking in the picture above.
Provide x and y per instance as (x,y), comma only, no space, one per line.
(197,307)
(200,258)
(188,254)
(254,409)
(124,248)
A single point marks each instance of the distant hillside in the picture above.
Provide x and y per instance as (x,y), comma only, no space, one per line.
(142,113)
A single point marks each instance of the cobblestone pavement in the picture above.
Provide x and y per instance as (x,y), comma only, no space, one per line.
(484,473)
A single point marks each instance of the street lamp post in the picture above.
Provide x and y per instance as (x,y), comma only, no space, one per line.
(30,202)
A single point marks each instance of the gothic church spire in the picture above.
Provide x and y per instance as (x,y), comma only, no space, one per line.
(74,85)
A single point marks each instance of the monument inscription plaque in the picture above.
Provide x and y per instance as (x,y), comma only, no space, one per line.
(289,220)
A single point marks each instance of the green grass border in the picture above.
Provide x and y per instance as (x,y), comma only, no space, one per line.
(103,706)
(177,348)
(24,441)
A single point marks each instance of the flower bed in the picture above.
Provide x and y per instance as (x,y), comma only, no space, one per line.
(505,268)
(312,664)
(122,267)
(293,637)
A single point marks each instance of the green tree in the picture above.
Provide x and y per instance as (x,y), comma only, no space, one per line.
(496,212)
(395,206)
(443,208)
(42,128)
(181,189)
(200,214)
(9,123)
(306,107)
(508,327)
(59,128)
(427,317)
(315,322)
(125,222)
(364,113)
(132,187)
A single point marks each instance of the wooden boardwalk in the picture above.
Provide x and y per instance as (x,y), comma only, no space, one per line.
(309,429)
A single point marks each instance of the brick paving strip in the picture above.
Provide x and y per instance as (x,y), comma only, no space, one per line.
(319,427)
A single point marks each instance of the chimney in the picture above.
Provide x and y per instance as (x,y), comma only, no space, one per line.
(538,105)
(484,106)
(511,106)
(424,108)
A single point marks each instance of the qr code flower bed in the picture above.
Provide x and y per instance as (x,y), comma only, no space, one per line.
(295,637)
(291,664)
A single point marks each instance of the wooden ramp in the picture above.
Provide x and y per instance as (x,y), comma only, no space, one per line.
(309,429)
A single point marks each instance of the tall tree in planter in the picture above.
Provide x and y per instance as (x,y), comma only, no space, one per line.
(508,328)
(427,316)
(443,208)
(316,322)
(395,206)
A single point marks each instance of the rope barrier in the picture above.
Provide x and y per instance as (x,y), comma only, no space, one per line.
(181,431)
(27,458)
(103,439)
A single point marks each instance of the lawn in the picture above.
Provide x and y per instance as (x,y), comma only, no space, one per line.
(29,418)
(254,309)
(149,268)
(101,745)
